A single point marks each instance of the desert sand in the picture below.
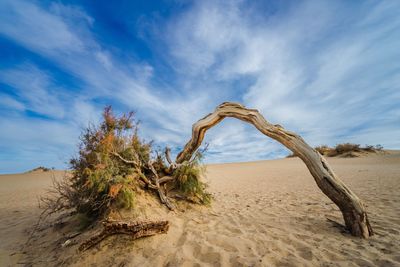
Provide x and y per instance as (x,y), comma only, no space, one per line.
(265,213)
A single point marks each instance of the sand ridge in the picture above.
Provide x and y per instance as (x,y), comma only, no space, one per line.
(265,213)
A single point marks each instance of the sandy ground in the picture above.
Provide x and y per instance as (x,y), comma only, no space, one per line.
(19,194)
(266,213)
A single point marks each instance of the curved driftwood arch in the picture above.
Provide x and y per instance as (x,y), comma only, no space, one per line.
(351,206)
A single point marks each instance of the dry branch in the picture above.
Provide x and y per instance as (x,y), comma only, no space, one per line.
(351,206)
(165,179)
(134,162)
(164,199)
(168,156)
(155,184)
(134,229)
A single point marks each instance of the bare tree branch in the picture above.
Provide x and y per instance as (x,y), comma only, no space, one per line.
(165,200)
(352,208)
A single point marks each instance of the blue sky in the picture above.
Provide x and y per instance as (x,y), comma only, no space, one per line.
(329,70)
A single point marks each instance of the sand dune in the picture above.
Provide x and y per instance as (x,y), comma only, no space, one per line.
(266,213)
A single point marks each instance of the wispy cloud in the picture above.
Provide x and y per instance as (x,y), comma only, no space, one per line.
(37,29)
(329,70)
(34,88)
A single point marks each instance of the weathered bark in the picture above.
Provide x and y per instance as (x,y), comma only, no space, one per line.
(352,208)
(135,230)
(164,199)
(156,181)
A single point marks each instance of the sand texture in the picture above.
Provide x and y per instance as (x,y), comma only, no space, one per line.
(266,213)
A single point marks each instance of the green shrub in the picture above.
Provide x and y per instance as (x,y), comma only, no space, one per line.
(126,198)
(188,181)
(112,164)
(100,179)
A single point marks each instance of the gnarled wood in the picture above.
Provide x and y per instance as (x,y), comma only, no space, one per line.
(352,208)
(134,229)
(156,181)
(164,199)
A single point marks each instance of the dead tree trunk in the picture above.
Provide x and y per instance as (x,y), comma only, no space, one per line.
(134,229)
(352,208)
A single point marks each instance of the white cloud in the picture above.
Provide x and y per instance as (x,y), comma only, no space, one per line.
(27,23)
(101,76)
(10,103)
(328,70)
(35,88)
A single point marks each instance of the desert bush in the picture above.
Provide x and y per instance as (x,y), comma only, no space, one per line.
(99,178)
(41,168)
(112,164)
(188,182)
(351,150)
(371,148)
(344,150)
(323,149)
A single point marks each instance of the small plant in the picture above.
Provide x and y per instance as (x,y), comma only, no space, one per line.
(323,149)
(370,148)
(41,168)
(188,182)
(344,150)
